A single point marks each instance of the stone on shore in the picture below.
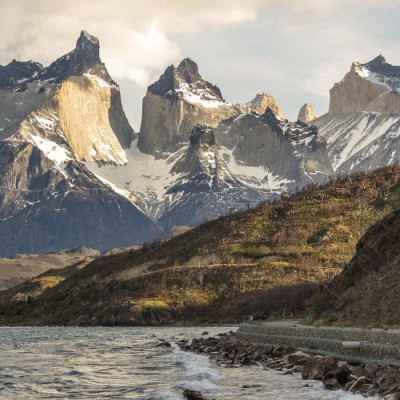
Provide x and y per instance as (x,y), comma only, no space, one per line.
(193,395)
(298,358)
(339,375)
(358,385)
(317,367)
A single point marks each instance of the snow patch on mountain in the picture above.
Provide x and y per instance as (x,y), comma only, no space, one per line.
(361,140)
(52,150)
(205,98)
(101,82)
(390,82)
(255,177)
(144,177)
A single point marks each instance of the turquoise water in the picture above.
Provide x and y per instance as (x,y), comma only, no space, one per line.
(124,363)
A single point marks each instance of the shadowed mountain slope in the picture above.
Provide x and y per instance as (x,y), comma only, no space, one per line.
(261,262)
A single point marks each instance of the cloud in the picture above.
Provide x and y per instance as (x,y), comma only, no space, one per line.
(292,48)
(322,77)
(134,35)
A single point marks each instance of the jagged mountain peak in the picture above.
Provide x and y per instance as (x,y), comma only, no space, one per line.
(185,83)
(83,59)
(202,169)
(373,86)
(379,66)
(175,103)
(271,119)
(298,133)
(70,109)
(89,48)
(307,113)
(380,72)
(263,101)
(87,38)
(189,69)
(377,61)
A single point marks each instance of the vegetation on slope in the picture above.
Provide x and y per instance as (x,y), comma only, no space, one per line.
(261,262)
(367,292)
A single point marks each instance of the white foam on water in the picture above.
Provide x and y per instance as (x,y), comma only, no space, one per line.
(198,372)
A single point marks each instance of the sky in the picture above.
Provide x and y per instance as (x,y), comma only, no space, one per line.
(293,49)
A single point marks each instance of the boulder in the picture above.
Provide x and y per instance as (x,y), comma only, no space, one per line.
(358,385)
(193,395)
(164,343)
(340,374)
(316,368)
(331,384)
(297,358)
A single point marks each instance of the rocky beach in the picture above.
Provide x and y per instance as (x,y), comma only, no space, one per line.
(368,380)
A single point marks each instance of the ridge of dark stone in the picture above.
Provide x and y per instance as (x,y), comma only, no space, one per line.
(269,118)
(380,66)
(83,59)
(165,83)
(17,71)
(188,72)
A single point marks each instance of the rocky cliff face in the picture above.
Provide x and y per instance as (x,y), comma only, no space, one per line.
(206,187)
(289,154)
(307,114)
(198,157)
(52,119)
(174,104)
(362,126)
(263,101)
(73,103)
(374,86)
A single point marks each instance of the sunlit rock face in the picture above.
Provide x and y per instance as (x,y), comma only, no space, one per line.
(174,104)
(307,113)
(374,86)
(263,101)
(363,124)
(52,120)
(73,103)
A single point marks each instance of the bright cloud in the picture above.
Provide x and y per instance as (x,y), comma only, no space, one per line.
(292,49)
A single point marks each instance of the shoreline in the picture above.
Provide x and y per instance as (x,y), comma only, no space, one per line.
(353,377)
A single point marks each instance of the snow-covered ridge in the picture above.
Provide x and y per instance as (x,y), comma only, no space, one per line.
(390,82)
(204,97)
(298,134)
(254,177)
(362,140)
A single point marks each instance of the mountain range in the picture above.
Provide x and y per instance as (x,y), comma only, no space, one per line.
(73,172)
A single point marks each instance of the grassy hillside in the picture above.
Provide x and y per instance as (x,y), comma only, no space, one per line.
(367,292)
(21,267)
(261,262)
